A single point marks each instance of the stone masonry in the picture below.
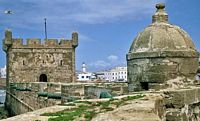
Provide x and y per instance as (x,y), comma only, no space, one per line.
(36,62)
(161,54)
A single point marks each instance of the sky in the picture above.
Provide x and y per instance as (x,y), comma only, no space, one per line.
(106,27)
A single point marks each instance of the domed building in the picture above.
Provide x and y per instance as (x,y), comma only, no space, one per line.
(160,54)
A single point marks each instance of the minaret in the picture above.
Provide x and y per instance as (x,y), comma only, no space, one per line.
(83,67)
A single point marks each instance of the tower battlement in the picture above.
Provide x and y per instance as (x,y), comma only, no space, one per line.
(38,43)
(49,60)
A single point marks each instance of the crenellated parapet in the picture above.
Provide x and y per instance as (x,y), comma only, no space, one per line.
(37,60)
(38,43)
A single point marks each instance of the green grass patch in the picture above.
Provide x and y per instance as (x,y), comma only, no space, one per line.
(68,115)
(104,104)
(90,110)
(89,115)
(124,100)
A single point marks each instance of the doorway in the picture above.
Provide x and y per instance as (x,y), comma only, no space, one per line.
(144,85)
(43,78)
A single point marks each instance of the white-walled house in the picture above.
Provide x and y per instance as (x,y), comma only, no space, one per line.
(84,75)
(117,74)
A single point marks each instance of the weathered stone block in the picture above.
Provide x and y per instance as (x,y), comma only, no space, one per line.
(173,115)
(174,99)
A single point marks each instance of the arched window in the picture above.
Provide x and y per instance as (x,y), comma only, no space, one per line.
(43,78)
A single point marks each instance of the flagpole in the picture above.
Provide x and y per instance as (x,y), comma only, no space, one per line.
(45,28)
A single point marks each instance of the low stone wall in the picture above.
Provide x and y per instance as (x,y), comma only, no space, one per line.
(181,105)
(94,91)
(114,89)
(71,92)
(33,95)
(166,105)
(16,106)
(91,90)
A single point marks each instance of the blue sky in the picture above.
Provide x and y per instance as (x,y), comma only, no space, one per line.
(106,27)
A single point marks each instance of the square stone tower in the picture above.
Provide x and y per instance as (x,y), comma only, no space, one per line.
(37,62)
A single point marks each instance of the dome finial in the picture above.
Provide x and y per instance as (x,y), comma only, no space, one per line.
(160,6)
(160,15)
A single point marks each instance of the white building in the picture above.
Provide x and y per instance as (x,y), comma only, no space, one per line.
(100,75)
(117,74)
(3,72)
(84,75)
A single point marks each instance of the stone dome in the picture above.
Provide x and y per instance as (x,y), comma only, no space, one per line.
(162,36)
(161,53)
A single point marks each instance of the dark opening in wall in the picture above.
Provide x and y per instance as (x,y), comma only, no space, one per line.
(43,78)
(23,62)
(145,85)
(61,62)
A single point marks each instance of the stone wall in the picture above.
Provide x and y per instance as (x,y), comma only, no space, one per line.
(16,106)
(168,105)
(72,92)
(158,71)
(2,83)
(182,105)
(24,97)
(91,90)
(34,61)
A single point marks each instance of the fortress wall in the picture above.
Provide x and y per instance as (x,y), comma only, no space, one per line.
(91,90)
(15,106)
(48,43)
(38,43)
(26,65)
(182,104)
(25,97)
(2,83)
(39,95)
(168,105)
(36,60)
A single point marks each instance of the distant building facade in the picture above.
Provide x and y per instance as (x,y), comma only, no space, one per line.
(3,72)
(100,75)
(117,74)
